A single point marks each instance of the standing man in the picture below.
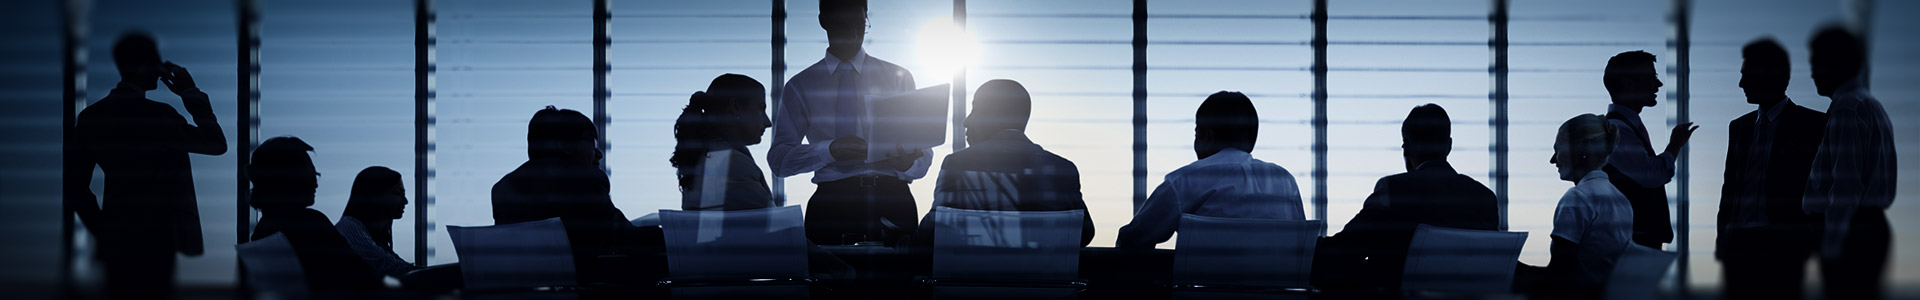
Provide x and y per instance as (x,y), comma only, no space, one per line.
(820,130)
(1634,168)
(149,211)
(1765,238)
(1853,178)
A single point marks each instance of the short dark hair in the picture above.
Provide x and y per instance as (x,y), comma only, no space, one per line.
(281,165)
(830,6)
(1840,47)
(552,129)
(1427,124)
(1766,53)
(1006,100)
(1231,117)
(135,49)
(1620,63)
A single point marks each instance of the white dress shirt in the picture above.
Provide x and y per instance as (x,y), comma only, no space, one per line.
(1594,215)
(1634,155)
(1228,184)
(1855,167)
(808,119)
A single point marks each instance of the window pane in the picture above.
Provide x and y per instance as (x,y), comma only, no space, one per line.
(1384,58)
(1259,48)
(1075,58)
(498,62)
(339,75)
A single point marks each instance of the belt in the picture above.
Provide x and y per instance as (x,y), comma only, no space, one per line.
(867,181)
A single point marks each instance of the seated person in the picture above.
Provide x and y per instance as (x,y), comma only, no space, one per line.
(284,182)
(710,153)
(1372,250)
(562,179)
(1226,182)
(1594,221)
(378,198)
(714,168)
(1001,169)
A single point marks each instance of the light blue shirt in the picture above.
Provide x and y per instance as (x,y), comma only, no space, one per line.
(807,120)
(1596,216)
(1228,184)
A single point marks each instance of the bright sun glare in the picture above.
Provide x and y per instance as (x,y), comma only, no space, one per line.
(945,49)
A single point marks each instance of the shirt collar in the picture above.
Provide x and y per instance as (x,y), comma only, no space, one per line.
(1851,89)
(1436,165)
(1229,154)
(1623,111)
(859,61)
(1773,113)
(1595,175)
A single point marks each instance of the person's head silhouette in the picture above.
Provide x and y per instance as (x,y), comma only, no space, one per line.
(378,194)
(137,56)
(999,105)
(282,174)
(1836,56)
(1426,135)
(1764,71)
(563,134)
(732,112)
(1582,146)
(1631,80)
(846,25)
(1225,120)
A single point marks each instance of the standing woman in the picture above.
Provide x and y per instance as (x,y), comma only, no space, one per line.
(715,170)
(378,198)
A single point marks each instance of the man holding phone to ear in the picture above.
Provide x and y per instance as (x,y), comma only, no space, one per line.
(149,211)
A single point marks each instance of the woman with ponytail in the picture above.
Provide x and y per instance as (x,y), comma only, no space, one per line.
(715,170)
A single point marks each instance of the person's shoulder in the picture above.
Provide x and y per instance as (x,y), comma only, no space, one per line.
(1744,119)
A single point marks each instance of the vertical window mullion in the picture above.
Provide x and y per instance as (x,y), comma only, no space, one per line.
(1499,98)
(779,82)
(1139,103)
(1319,69)
(1682,23)
(423,69)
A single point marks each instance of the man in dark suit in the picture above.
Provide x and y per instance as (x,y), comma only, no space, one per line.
(149,211)
(1765,238)
(1372,250)
(562,179)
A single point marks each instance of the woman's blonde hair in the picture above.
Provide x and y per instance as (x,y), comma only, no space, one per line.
(1591,135)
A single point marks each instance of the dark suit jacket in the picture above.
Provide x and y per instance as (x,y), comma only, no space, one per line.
(1006,173)
(148,204)
(578,194)
(330,265)
(1432,194)
(1652,220)
(1797,136)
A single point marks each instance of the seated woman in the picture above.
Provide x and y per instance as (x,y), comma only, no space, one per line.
(712,134)
(284,182)
(378,198)
(715,170)
(1594,222)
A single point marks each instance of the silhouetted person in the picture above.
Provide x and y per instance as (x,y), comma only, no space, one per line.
(1002,170)
(823,105)
(1635,169)
(710,154)
(1764,237)
(1375,242)
(562,179)
(378,199)
(1854,173)
(284,182)
(1226,182)
(149,211)
(1593,223)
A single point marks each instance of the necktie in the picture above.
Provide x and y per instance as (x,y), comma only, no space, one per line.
(1754,207)
(847,106)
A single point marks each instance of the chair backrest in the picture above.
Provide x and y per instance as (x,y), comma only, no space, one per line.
(1637,274)
(514,256)
(1006,245)
(1461,260)
(1244,252)
(273,268)
(742,244)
